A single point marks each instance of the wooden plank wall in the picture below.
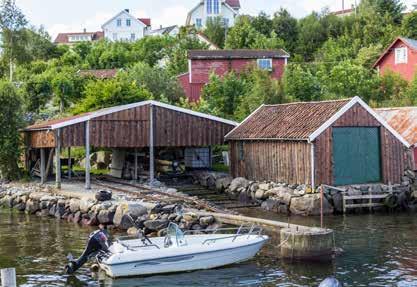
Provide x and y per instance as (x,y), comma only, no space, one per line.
(394,155)
(278,161)
(130,129)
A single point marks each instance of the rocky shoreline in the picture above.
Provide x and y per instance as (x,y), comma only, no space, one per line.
(133,215)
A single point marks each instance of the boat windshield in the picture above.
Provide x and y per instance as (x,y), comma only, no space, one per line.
(174,231)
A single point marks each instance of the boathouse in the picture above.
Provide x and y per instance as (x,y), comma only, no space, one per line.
(143,127)
(338,142)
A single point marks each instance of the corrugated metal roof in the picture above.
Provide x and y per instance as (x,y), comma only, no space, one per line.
(403,120)
(237,54)
(293,121)
(68,121)
(410,42)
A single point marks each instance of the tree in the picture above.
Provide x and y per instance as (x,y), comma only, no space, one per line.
(262,24)
(113,92)
(301,84)
(409,96)
(393,89)
(152,50)
(216,31)
(285,27)
(63,89)
(392,8)
(242,35)
(268,43)
(37,92)
(409,25)
(11,122)
(12,25)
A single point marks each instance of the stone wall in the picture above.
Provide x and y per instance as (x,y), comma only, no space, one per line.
(151,217)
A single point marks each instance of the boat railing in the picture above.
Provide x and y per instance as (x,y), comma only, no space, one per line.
(240,232)
(134,247)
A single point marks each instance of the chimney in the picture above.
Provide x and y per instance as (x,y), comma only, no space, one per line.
(127,10)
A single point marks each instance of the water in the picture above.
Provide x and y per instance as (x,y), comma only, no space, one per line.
(380,250)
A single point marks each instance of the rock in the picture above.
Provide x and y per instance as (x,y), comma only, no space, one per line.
(59,211)
(244,198)
(32,206)
(283,209)
(74,205)
(168,208)
(134,210)
(156,224)
(77,217)
(196,227)
(172,190)
(103,195)
(260,194)
(85,205)
(190,217)
(237,183)
(337,199)
(253,187)
(172,217)
(162,232)
(223,183)
(414,195)
(206,220)
(140,222)
(133,231)
(21,206)
(126,222)
(105,217)
(410,174)
(265,186)
(309,205)
(270,204)
(52,210)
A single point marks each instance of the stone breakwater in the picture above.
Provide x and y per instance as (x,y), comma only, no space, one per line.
(300,199)
(131,216)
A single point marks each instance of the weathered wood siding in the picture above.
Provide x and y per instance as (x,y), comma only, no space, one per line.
(279,161)
(130,129)
(394,155)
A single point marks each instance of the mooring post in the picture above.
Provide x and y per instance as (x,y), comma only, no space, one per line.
(58,159)
(42,165)
(321,206)
(151,147)
(8,277)
(87,156)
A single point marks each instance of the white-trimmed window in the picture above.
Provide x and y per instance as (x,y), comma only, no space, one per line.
(401,55)
(213,7)
(128,22)
(119,22)
(198,23)
(133,37)
(265,64)
(114,36)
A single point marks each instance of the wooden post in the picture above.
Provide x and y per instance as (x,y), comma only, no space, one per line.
(43,166)
(8,277)
(135,176)
(151,147)
(87,156)
(58,159)
(69,163)
(321,206)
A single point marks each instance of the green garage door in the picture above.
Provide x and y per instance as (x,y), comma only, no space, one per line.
(356,155)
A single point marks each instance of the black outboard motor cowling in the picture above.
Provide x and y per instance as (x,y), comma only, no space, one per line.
(98,241)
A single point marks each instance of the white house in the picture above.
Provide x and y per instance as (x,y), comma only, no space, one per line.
(125,27)
(166,31)
(228,10)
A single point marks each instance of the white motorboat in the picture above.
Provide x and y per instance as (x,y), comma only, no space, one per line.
(179,252)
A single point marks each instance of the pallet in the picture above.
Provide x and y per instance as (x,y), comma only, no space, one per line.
(369,198)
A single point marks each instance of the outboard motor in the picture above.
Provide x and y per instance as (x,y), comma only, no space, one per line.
(331,282)
(97,241)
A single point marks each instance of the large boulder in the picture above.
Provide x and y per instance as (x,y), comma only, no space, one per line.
(32,206)
(103,195)
(105,216)
(74,205)
(260,194)
(238,183)
(134,210)
(310,205)
(85,205)
(156,224)
(223,183)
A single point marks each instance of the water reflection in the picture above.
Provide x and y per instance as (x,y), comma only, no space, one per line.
(380,250)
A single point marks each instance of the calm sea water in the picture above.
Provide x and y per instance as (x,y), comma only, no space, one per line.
(380,250)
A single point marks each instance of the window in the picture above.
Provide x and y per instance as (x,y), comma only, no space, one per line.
(115,36)
(241,151)
(213,7)
(265,64)
(119,22)
(133,37)
(198,23)
(128,22)
(401,55)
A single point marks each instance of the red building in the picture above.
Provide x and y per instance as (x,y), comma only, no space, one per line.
(400,57)
(204,62)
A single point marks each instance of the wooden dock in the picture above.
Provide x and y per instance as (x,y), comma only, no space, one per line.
(365,201)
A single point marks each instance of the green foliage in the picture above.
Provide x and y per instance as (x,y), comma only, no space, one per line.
(10,122)
(301,83)
(242,35)
(216,31)
(263,24)
(391,89)
(409,25)
(284,25)
(114,92)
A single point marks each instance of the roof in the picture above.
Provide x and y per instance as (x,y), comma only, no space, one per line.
(299,121)
(164,30)
(100,74)
(68,121)
(411,43)
(341,12)
(63,38)
(403,120)
(233,3)
(200,35)
(236,54)
(146,21)
(287,121)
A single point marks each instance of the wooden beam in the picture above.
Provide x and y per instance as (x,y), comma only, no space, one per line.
(43,177)
(135,176)
(87,156)
(49,164)
(151,146)
(58,159)
(69,163)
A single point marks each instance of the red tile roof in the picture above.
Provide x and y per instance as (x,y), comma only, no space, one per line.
(293,121)
(62,38)
(233,3)
(146,21)
(100,74)
(236,54)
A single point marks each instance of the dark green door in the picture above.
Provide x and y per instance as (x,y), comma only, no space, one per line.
(356,155)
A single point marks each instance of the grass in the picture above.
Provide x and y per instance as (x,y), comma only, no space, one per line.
(219,167)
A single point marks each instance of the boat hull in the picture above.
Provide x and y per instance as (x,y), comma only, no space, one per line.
(184,262)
